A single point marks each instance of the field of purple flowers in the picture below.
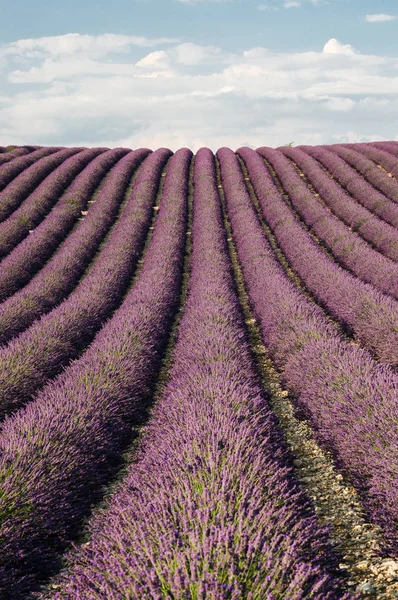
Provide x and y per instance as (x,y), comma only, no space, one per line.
(155,309)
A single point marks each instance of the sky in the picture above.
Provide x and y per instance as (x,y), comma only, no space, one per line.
(198,73)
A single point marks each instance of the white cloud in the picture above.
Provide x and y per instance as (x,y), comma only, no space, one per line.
(286,4)
(158,60)
(291,4)
(192,95)
(194,54)
(380,18)
(333,46)
(71,43)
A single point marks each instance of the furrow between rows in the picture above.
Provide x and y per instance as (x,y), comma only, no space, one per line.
(345,247)
(40,352)
(60,450)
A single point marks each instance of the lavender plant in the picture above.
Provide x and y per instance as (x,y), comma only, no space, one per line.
(382,236)
(369,170)
(369,314)
(10,155)
(352,400)
(41,351)
(9,171)
(65,444)
(346,246)
(391,147)
(209,508)
(355,184)
(57,279)
(89,167)
(382,158)
(21,186)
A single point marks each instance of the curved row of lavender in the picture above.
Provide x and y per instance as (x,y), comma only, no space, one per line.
(382,236)
(61,274)
(369,314)
(346,246)
(352,400)
(41,351)
(367,168)
(9,155)
(379,156)
(66,443)
(391,147)
(10,170)
(360,189)
(209,508)
(27,181)
(89,167)
(39,203)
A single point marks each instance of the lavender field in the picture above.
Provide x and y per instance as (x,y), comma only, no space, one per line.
(198,383)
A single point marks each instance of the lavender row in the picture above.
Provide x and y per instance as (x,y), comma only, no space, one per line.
(391,147)
(9,155)
(356,185)
(41,351)
(27,181)
(210,508)
(57,279)
(368,170)
(370,315)
(382,236)
(381,157)
(63,447)
(31,254)
(39,203)
(351,399)
(11,170)
(349,249)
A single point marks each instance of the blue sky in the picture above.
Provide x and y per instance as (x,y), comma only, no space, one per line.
(202,72)
(234,24)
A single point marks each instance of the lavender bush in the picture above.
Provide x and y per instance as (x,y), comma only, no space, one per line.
(369,170)
(12,196)
(41,351)
(37,206)
(369,314)
(209,509)
(9,171)
(57,279)
(31,254)
(351,399)
(10,155)
(382,236)
(391,147)
(345,245)
(64,445)
(355,184)
(381,157)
